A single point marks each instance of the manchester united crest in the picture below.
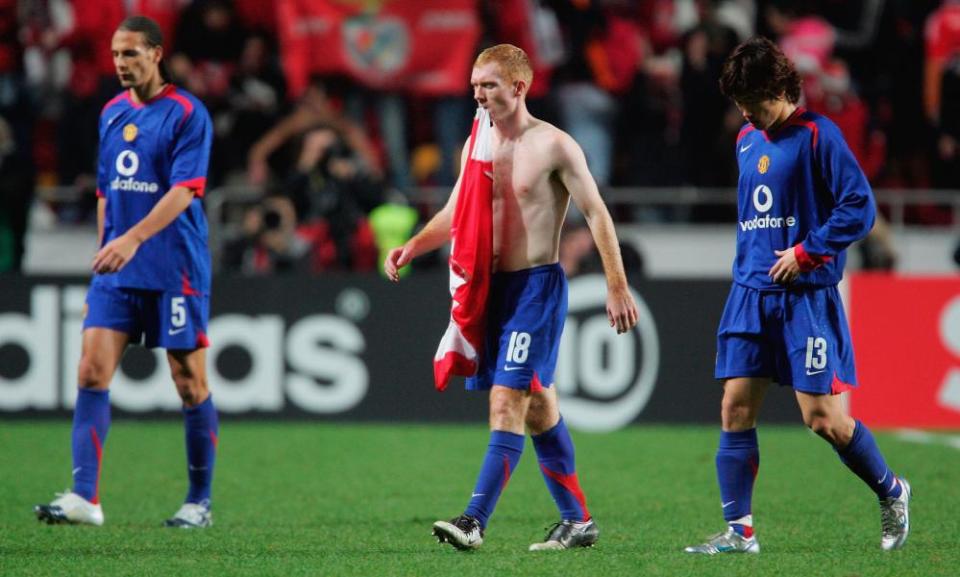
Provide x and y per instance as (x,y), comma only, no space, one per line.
(129,132)
(764,164)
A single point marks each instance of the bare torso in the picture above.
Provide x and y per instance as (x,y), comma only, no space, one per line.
(529,201)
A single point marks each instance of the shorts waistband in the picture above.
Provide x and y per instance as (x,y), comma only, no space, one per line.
(526,272)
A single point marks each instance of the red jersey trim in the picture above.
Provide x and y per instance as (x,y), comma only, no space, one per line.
(100,194)
(198,185)
(807,261)
(745,131)
(535,385)
(186,288)
(163,92)
(795,120)
(184,102)
(838,386)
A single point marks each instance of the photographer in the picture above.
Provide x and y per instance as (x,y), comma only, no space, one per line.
(270,243)
(333,190)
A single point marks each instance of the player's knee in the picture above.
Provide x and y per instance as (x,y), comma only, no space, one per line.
(736,415)
(192,389)
(505,414)
(92,374)
(825,427)
(539,421)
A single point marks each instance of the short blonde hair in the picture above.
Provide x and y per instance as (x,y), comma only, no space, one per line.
(513,61)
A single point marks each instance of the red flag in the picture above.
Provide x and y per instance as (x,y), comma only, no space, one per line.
(471,261)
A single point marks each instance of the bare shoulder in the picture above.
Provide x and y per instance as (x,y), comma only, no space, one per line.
(560,145)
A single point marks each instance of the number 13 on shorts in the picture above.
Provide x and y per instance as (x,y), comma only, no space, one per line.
(816,353)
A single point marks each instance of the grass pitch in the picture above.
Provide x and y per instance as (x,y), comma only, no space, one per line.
(334,499)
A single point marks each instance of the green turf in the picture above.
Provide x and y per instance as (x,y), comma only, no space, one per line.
(305,499)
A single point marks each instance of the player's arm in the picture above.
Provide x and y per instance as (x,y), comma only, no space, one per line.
(850,219)
(120,251)
(101,216)
(576,177)
(433,235)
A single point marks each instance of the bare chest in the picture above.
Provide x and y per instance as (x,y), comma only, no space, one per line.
(520,173)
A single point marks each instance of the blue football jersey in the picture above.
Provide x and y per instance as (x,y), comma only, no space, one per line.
(145,150)
(800,186)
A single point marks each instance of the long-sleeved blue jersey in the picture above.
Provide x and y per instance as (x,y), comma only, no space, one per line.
(800,186)
(145,150)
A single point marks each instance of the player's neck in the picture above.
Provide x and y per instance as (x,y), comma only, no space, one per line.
(786,111)
(147,91)
(512,126)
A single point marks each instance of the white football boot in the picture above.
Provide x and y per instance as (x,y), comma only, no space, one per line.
(895,518)
(69,507)
(191,516)
(728,542)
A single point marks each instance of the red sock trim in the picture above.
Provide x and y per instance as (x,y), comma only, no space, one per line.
(99,447)
(506,473)
(570,483)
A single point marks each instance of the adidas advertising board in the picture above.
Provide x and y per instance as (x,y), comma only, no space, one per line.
(357,348)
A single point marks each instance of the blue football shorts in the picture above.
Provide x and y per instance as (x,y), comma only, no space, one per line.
(170,320)
(525,315)
(797,337)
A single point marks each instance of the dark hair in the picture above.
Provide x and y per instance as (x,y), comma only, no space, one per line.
(152,37)
(758,70)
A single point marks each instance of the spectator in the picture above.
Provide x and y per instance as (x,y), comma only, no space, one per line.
(603,56)
(835,97)
(314,110)
(16,190)
(942,90)
(269,243)
(330,185)
(255,100)
(702,133)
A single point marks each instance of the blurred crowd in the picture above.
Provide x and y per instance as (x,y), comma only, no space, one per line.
(334,166)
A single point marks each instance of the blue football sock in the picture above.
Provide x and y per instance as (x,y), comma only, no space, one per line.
(863,457)
(738,461)
(202,428)
(91,423)
(556,456)
(503,454)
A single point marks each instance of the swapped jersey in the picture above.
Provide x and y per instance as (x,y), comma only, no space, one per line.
(800,186)
(145,150)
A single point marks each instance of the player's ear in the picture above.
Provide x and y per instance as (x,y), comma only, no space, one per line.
(519,87)
(157,54)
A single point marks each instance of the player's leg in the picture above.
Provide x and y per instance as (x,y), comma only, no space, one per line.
(738,454)
(101,351)
(201,430)
(555,453)
(858,450)
(508,407)
(178,323)
(745,363)
(737,462)
(822,366)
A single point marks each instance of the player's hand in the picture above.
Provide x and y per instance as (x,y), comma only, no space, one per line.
(115,255)
(786,269)
(397,259)
(622,309)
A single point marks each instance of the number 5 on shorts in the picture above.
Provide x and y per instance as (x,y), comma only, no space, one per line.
(178,313)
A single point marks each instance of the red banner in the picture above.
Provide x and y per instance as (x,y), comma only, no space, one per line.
(425,47)
(906,334)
